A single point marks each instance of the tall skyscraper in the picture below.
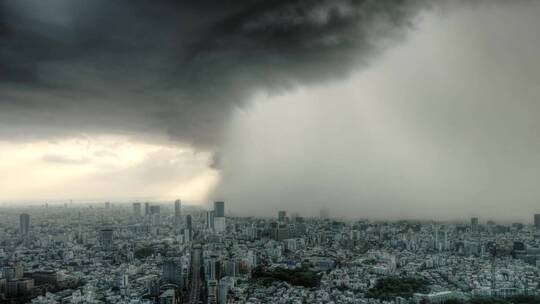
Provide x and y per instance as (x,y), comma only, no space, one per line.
(177,212)
(155,214)
(24,223)
(282,216)
(188,232)
(219,217)
(137,209)
(146,209)
(210,220)
(106,239)
(441,239)
(474,224)
(219,209)
(537,221)
(171,271)
(189,224)
(155,209)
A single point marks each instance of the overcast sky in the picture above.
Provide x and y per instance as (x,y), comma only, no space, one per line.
(383,109)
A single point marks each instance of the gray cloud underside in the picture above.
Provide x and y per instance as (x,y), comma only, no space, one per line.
(175,67)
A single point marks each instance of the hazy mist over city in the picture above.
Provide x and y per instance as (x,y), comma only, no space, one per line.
(371,109)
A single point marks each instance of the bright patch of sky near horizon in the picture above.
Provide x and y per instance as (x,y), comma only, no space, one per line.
(102,167)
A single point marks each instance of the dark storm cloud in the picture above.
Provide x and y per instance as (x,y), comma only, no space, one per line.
(71,66)
(445,125)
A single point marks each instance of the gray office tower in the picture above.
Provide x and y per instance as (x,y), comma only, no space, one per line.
(177,212)
(146,209)
(106,239)
(137,209)
(219,209)
(189,224)
(24,223)
(210,219)
(155,210)
(282,216)
(220,224)
(474,224)
(171,271)
(537,221)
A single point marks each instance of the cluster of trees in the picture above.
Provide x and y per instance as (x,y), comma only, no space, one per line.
(299,277)
(391,287)
(143,253)
(149,250)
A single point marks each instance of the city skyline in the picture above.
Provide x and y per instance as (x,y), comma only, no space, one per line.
(112,253)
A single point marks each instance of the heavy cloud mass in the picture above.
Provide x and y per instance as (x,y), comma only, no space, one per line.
(179,67)
(442,126)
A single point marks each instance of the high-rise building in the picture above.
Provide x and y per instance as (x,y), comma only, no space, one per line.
(107,205)
(209,268)
(282,232)
(24,223)
(146,209)
(224,286)
(474,224)
(441,239)
(219,217)
(171,271)
(152,286)
(106,239)
(156,219)
(168,297)
(229,267)
(212,291)
(219,209)
(155,215)
(282,216)
(137,209)
(155,210)
(209,220)
(8,272)
(177,212)
(123,281)
(537,221)
(189,224)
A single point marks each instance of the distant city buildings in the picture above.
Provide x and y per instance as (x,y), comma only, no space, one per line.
(146,209)
(474,224)
(137,212)
(537,221)
(282,216)
(219,209)
(209,220)
(106,238)
(98,255)
(219,217)
(24,223)
(155,214)
(177,212)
